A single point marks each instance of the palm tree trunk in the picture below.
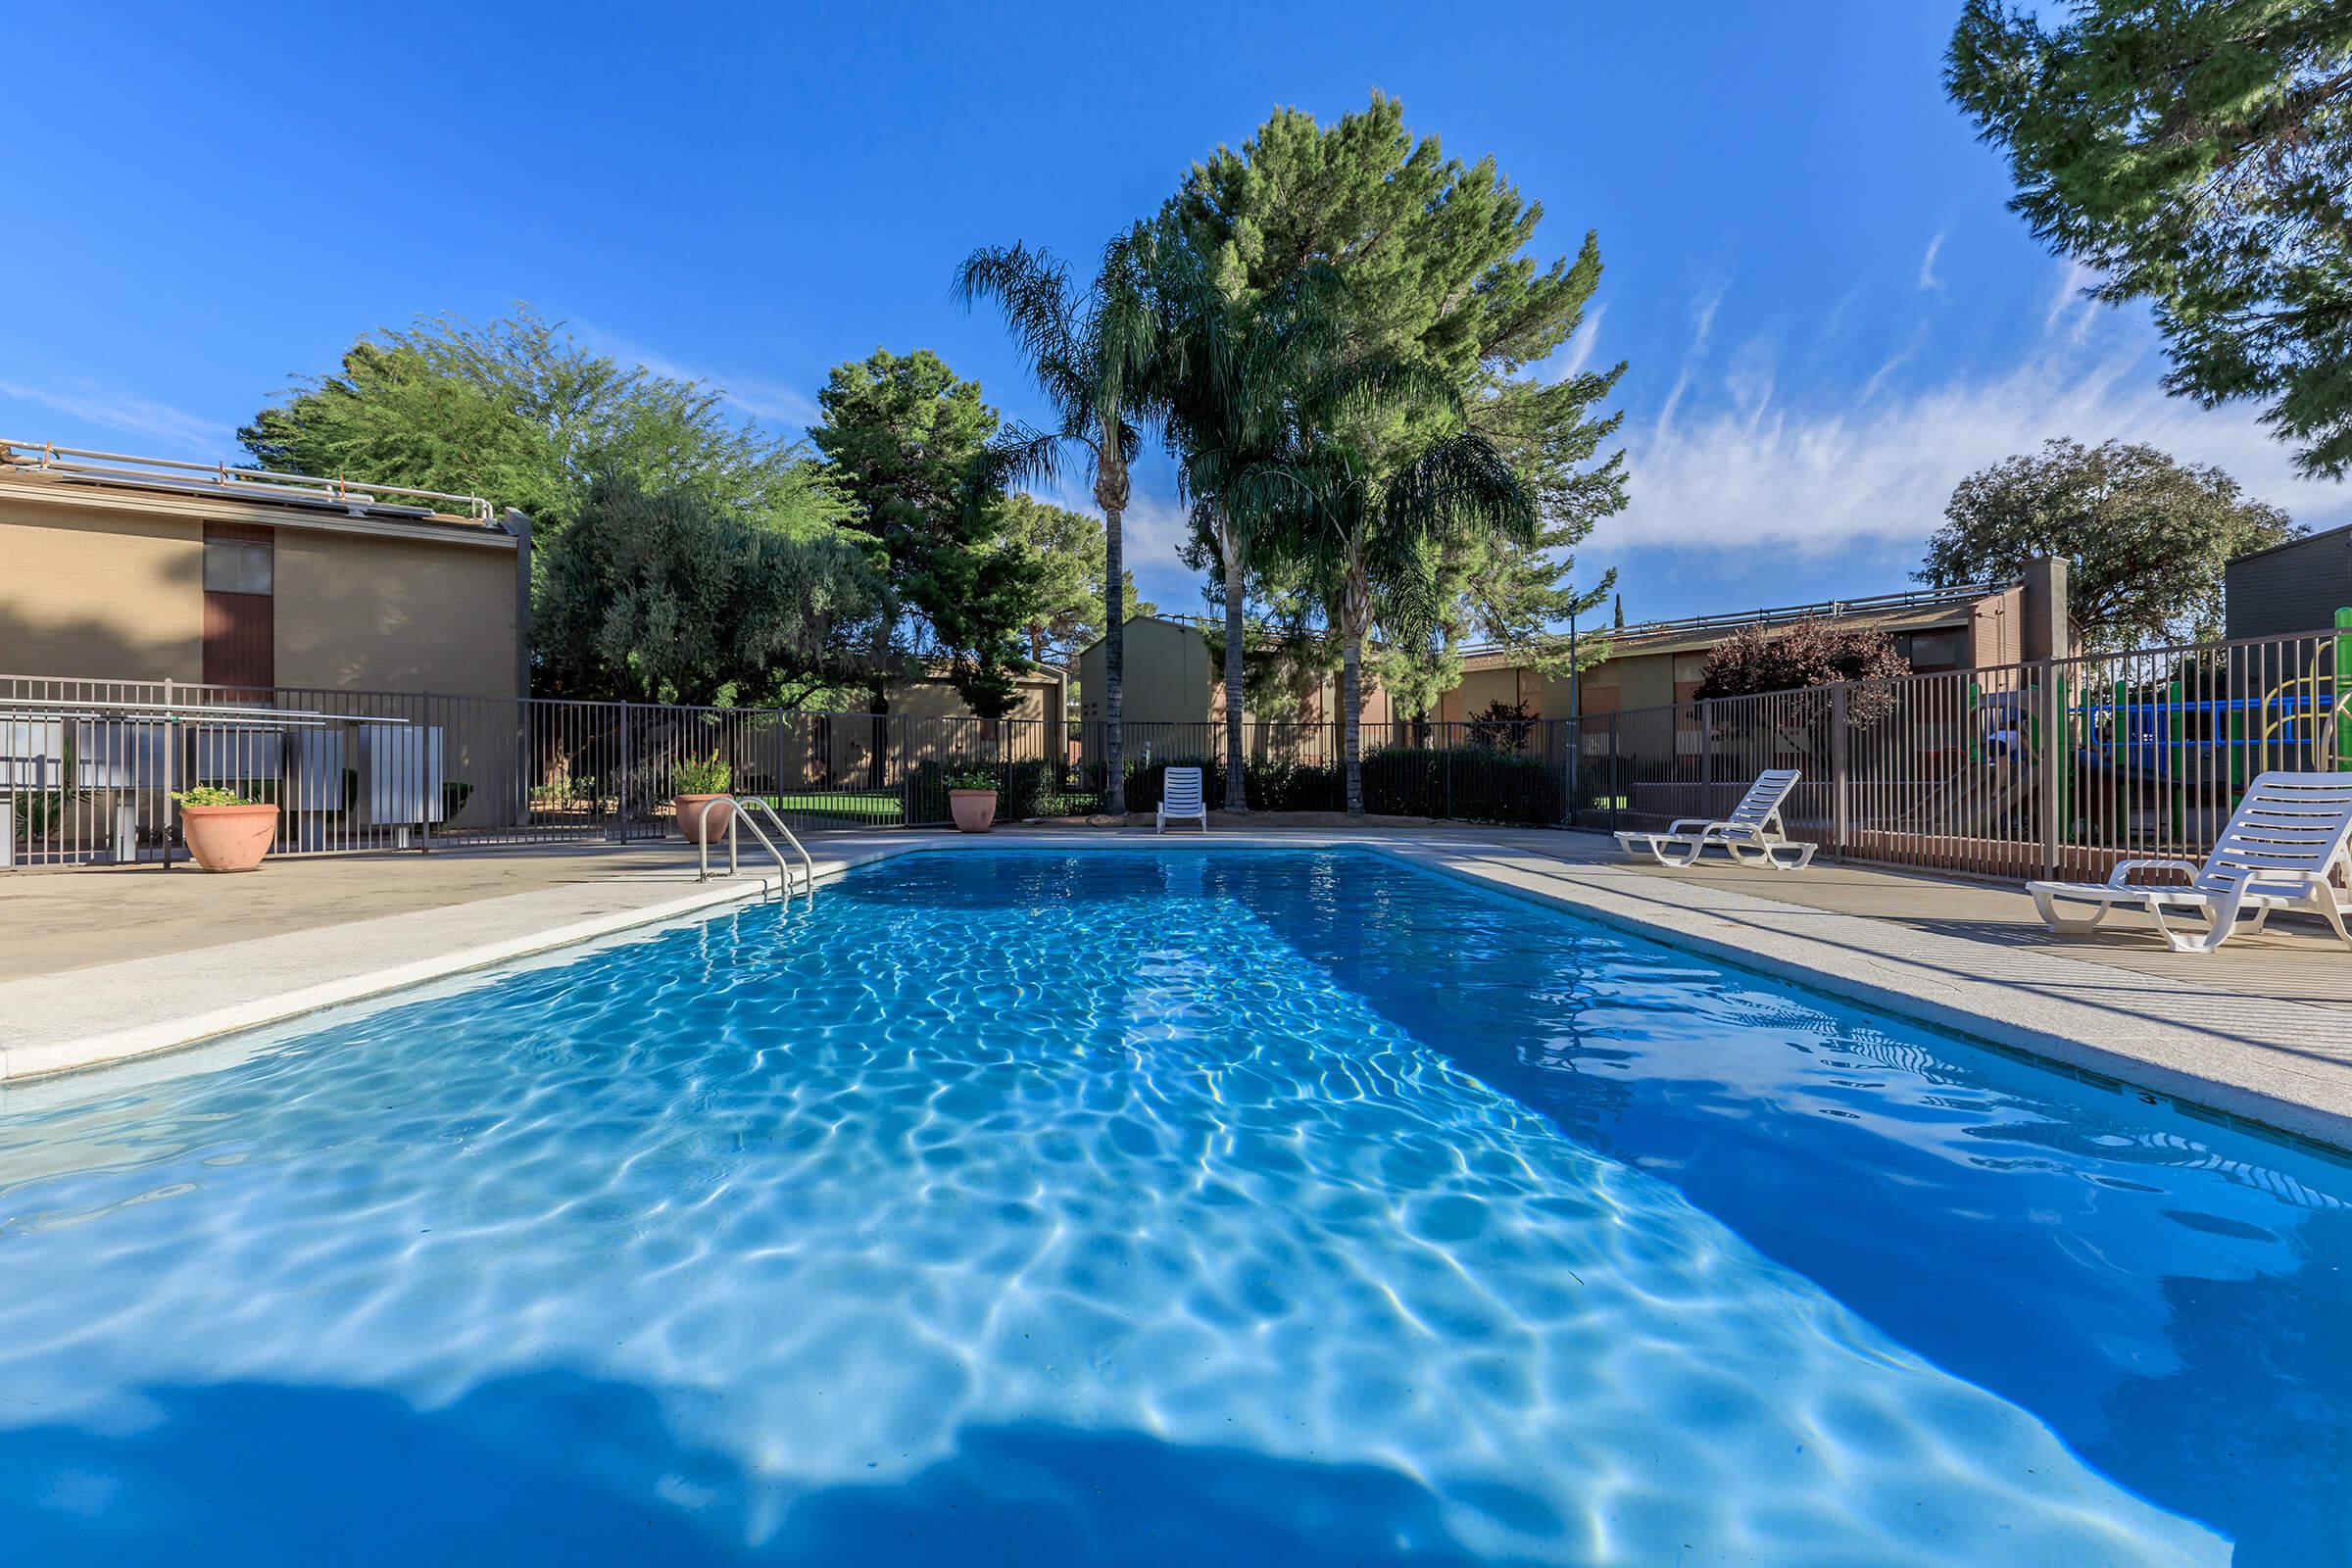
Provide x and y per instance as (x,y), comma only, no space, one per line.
(1237,777)
(1355,619)
(1110,493)
(1352,660)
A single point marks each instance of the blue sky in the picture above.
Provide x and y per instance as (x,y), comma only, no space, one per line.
(1827,313)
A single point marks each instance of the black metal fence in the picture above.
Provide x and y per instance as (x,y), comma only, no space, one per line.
(2026,769)
(88,768)
(2059,768)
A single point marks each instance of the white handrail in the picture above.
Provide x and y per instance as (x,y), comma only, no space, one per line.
(741,817)
(50,457)
(776,820)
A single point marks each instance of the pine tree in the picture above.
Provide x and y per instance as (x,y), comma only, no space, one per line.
(1432,256)
(908,444)
(2197,154)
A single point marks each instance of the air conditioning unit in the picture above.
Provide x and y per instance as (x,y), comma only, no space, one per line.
(401,769)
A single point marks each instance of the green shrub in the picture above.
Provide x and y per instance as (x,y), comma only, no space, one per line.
(701,775)
(208,795)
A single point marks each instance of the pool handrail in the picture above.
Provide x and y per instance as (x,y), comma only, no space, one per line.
(741,817)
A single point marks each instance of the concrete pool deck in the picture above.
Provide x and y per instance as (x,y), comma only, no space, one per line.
(102,965)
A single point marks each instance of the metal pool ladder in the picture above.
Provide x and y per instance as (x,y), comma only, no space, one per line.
(742,816)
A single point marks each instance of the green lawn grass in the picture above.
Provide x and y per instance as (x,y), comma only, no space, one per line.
(854,805)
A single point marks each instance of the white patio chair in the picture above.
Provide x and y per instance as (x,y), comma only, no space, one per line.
(2284,841)
(1180,799)
(1752,835)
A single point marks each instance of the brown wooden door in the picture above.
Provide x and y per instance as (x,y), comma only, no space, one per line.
(240,607)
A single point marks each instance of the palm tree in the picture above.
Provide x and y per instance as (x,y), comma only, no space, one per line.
(1094,354)
(1233,372)
(1366,526)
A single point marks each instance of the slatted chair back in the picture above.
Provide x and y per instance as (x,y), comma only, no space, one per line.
(1764,798)
(1180,792)
(2287,825)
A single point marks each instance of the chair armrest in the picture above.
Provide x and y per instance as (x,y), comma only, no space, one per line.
(1689,825)
(2120,876)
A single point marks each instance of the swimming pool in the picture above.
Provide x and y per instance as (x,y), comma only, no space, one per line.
(1158,1207)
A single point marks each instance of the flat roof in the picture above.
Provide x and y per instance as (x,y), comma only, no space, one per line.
(2290,544)
(1916,609)
(82,476)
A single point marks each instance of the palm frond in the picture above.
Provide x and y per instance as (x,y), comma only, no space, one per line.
(1022,454)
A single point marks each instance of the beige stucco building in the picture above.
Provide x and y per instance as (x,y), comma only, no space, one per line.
(1171,679)
(1658,663)
(138,569)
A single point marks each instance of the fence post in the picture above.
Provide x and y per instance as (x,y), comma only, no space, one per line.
(1568,778)
(421,740)
(1706,756)
(171,770)
(1614,781)
(2048,754)
(620,813)
(1840,768)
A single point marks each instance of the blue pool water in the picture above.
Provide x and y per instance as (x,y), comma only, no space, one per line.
(1229,1208)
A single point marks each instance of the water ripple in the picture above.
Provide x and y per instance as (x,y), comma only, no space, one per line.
(985,1154)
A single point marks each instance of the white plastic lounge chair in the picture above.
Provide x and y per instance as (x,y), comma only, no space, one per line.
(2289,833)
(1753,829)
(1180,799)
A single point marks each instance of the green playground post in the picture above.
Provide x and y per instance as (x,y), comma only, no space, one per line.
(2339,694)
(2177,735)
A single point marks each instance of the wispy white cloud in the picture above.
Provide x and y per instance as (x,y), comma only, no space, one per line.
(1702,316)
(1153,533)
(1927,265)
(2072,312)
(1570,358)
(755,396)
(1154,528)
(112,409)
(1894,363)
(1876,469)
(1674,402)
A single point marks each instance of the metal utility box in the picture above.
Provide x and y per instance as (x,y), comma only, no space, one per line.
(401,767)
(317,764)
(246,758)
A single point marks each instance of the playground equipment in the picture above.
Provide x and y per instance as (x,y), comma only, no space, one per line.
(2163,758)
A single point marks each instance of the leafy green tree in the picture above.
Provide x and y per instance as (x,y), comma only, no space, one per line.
(1234,367)
(1432,255)
(518,412)
(908,445)
(1095,353)
(664,597)
(2197,154)
(1065,549)
(2144,537)
(1359,535)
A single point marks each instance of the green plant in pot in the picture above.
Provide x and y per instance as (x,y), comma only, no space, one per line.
(699,796)
(972,798)
(222,829)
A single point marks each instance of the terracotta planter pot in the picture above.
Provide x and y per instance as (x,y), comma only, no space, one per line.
(975,809)
(228,838)
(699,820)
